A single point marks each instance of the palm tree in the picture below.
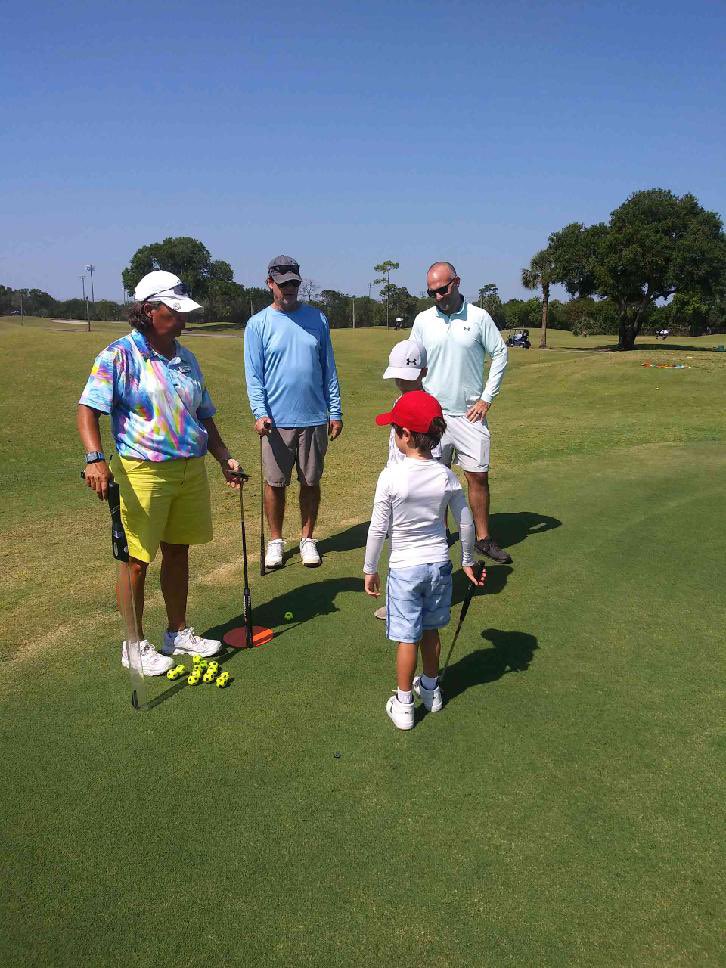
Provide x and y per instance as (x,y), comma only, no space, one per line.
(540,274)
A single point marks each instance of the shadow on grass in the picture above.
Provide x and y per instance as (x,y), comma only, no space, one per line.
(348,540)
(305,602)
(496,581)
(649,347)
(512,527)
(511,652)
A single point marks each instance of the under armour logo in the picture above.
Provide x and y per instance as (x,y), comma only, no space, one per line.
(411,362)
(467,328)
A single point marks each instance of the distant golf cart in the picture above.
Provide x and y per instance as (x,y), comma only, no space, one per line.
(520,337)
(662,334)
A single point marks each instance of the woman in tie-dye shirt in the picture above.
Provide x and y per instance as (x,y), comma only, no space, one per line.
(162,420)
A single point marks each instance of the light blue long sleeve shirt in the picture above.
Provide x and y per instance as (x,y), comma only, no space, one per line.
(290,368)
(456,347)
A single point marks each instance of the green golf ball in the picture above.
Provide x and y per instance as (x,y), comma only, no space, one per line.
(289,616)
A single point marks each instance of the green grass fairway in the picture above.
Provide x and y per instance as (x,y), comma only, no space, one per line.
(566,806)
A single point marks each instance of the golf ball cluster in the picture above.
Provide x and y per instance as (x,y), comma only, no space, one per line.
(177,672)
(207,672)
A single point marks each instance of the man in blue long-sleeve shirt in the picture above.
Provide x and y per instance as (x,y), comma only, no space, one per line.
(292,385)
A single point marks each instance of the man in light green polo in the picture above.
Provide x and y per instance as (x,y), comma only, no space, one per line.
(457,337)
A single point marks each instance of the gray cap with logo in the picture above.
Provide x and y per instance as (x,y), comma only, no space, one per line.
(283,269)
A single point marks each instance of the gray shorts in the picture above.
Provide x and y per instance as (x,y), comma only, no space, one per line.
(288,447)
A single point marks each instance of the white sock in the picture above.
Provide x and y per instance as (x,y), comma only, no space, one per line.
(405,697)
(429,684)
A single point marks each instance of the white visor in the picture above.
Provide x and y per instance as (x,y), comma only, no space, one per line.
(179,302)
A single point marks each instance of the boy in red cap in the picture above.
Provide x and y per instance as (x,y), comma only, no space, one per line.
(412,498)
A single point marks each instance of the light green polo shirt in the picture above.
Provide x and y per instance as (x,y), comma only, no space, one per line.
(456,347)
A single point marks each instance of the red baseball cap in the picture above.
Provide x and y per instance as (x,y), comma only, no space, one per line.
(415,411)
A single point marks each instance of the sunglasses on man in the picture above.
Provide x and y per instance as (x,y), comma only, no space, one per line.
(442,290)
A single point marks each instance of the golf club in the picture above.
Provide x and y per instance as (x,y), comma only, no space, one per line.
(127,603)
(478,568)
(242,478)
(262,516)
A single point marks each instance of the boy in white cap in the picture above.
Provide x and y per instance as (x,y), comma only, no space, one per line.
(411,499)
(407,366)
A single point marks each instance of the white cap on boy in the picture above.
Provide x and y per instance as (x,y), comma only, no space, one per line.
(406,360)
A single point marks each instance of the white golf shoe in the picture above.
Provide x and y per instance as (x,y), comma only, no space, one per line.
(400,713)
(431,698)
(188,641)
(309,552)
(152,662)
(275,550)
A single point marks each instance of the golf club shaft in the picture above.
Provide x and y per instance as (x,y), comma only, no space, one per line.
(478,569)
(245,570)
(127,600)
(262,516)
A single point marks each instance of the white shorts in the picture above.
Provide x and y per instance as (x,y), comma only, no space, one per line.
(470,440)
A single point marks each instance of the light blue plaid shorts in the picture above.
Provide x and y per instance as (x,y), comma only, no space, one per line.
(417,598)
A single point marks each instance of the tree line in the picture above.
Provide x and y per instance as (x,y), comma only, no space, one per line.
(658,263)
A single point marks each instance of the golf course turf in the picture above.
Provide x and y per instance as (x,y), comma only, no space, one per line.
(564,808)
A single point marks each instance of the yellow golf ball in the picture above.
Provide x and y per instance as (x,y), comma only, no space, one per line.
(193,680)
(289,616)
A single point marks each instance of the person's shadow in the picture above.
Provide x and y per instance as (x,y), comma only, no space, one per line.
(494,583)
(304,602)
(511,652)
(348,540)
(511,527)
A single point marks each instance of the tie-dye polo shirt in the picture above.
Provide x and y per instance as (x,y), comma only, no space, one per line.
(156,404)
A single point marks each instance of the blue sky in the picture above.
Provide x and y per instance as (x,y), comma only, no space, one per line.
(344,133)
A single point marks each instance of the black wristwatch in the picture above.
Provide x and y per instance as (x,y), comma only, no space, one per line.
(94,456)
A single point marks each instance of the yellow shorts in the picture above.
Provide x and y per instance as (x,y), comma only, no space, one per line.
(163,501)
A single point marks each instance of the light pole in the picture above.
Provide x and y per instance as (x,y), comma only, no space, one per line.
(92,269)
(88,318)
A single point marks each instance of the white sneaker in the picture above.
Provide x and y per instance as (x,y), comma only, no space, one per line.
(400,713)
(309,553)
(188,641)
(431,698)
(152,662)
(273,557)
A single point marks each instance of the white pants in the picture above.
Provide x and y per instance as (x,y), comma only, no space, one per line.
(470,440)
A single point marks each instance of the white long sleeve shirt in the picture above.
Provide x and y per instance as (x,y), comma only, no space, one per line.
(456,347)
(411,498)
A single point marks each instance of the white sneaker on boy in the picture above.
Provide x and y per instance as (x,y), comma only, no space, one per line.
(275,549)
(400,713)
(431,698)
(152,662)
(309,553)
(187,640)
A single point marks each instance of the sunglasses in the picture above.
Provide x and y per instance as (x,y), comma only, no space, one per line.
(180,290)
(284,269)
(442,290)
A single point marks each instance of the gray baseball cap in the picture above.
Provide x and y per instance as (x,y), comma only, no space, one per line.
(283,269)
